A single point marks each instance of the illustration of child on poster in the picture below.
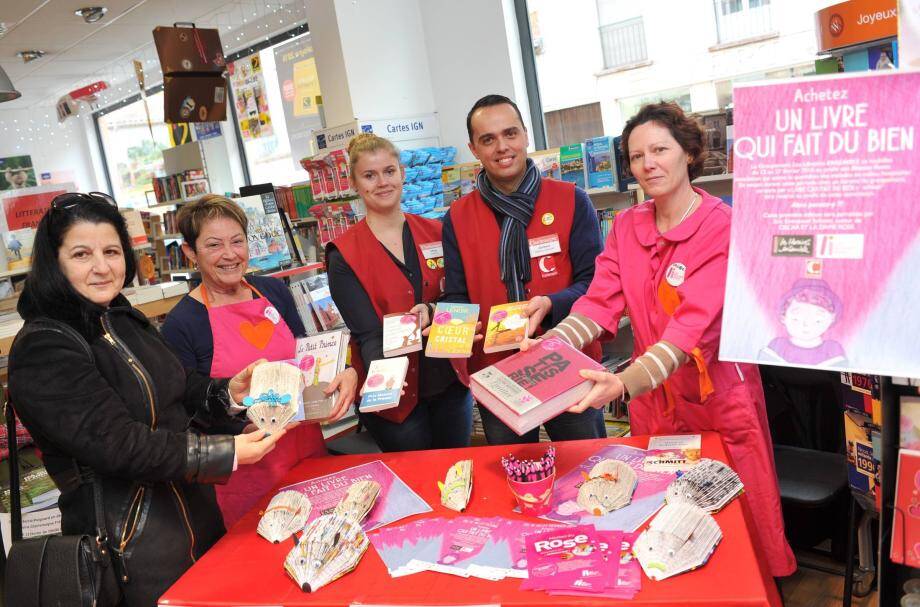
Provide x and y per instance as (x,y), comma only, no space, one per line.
(807,311)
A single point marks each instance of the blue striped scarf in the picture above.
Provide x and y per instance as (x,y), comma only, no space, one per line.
(516,210)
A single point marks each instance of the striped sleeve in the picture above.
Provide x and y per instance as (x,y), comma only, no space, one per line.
(576,329)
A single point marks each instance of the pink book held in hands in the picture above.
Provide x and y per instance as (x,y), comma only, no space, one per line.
(528,388)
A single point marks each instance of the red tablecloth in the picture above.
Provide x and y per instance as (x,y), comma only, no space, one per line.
(245,570)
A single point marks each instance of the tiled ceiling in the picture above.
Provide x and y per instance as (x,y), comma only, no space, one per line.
(78,53)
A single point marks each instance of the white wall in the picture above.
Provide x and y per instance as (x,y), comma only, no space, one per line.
(470,56)
(52,146)
(387,66)
(402,58)
(330,61)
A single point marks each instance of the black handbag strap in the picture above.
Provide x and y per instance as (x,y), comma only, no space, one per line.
(13,462)
(81,473)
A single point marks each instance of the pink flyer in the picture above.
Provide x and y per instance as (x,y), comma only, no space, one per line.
(396,500)
(825,245)
(565,559)
(464,538)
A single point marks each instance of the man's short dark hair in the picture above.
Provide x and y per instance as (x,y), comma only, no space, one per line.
(488,101)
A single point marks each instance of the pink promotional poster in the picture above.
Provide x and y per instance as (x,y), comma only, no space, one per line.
(825,245)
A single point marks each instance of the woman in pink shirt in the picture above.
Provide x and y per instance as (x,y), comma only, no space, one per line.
(665,261)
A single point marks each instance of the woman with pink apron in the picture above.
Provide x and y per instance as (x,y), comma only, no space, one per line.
(244,332)
(665,261)
(229,322)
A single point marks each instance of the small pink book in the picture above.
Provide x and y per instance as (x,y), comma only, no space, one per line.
(528,388)
(905,533)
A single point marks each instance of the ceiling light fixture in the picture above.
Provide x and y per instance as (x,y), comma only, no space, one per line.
(91,14)
(30,55)
(7,91)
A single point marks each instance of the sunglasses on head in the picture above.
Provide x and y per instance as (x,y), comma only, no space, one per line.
(70,200)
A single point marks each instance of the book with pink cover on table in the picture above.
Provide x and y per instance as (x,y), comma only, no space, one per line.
(528,388)
(396,500)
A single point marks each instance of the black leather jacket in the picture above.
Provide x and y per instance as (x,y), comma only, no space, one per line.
(131,416)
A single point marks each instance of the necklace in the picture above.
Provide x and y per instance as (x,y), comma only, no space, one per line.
(684,216)
(687,212)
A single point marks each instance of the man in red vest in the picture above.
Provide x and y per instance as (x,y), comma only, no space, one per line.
(519,237)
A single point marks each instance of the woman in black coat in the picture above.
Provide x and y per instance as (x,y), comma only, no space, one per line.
(111,402)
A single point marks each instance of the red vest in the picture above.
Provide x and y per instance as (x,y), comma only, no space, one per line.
(478,234)
(390,291)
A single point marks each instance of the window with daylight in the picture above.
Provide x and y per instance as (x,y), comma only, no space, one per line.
(134,149)
(622,33)
(738,20)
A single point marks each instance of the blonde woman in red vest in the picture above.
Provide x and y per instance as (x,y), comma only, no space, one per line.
(666,261)
(520,237)
(390,262)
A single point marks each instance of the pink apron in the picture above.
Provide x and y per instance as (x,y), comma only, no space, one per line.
(674,285)
(244,332)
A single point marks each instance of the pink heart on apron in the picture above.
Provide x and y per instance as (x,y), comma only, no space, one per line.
(258,334)
(888,228)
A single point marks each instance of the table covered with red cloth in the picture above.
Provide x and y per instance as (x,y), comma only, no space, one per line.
(243,569)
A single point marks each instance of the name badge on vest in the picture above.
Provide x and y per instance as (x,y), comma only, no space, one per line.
(544,245)
(432,250)
(272,314)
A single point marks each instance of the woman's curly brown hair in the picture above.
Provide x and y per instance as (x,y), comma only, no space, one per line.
(685,130)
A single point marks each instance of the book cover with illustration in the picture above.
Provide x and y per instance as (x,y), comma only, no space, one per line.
(598,163)
(507,327)
(547,162)
(320,358)
(384,383)
(452,330)
(862,463)
(910,422)
(268,245)
(673,453)
(402,334)
(528,388)
(572,164)
(863,393)
(321,300)
(905,532)
(621,166)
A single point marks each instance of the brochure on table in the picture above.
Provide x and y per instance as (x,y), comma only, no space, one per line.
(825,249)
(647,498)
(396,501)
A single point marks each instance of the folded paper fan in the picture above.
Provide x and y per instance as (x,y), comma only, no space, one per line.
(358,500)
(710,485)
(331,546)
(285,515)
(457,485)
(608,487)
(680,538)
(273,395)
